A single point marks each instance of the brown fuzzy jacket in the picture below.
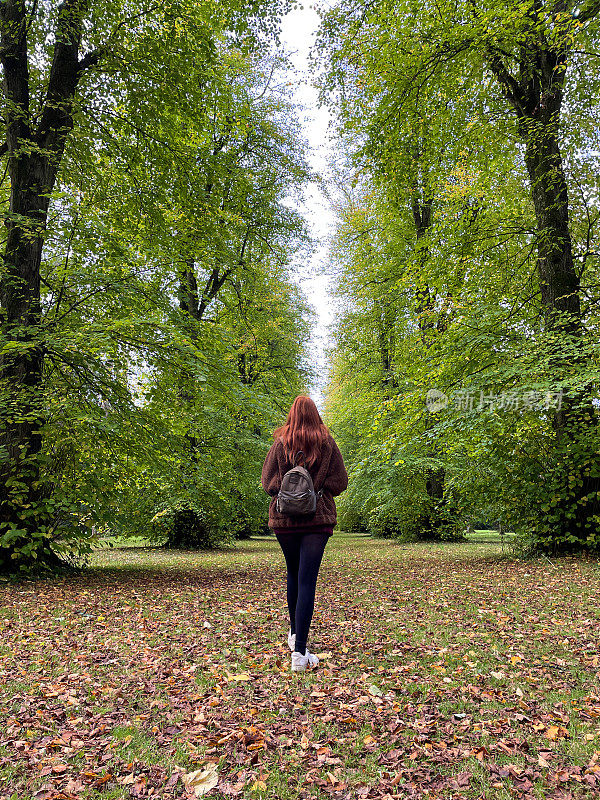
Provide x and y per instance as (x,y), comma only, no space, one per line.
(328,473)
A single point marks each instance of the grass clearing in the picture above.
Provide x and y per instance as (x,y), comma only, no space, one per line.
(447,671)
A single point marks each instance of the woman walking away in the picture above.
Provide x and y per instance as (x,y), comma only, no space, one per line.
(301,525)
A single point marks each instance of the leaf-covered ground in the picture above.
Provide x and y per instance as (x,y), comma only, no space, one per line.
(446,672)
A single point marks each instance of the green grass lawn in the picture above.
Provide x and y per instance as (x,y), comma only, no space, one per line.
(446,672)
(491,536)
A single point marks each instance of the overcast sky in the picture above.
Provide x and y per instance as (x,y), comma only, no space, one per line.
(298,34)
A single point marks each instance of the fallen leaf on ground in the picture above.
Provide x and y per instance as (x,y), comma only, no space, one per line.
(202,780)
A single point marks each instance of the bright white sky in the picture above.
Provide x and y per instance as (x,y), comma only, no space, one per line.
(298,34)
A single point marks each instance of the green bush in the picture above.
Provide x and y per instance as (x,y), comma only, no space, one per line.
(349,519)
(189,527)
(417,521)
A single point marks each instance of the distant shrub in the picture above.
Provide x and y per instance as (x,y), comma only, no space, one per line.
(349,519)
(414,523)
(186,527)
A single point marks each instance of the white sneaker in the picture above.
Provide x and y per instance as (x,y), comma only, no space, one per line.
(312,658)
(301,662)
(291,640)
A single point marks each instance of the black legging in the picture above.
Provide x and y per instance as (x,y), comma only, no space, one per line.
(303,554)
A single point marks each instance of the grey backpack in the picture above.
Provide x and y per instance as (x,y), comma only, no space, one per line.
(297,496)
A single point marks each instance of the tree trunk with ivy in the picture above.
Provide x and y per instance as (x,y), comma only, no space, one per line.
(34,147)
(535,92)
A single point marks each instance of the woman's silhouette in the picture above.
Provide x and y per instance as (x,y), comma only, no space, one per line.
(303,540)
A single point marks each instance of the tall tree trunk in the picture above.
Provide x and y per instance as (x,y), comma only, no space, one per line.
(188,529)
(434,477)
(536,96)
(188,526)
(34,157)
(384,321)
(560,293)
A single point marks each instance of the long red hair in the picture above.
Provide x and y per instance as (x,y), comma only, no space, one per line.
(303,430)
